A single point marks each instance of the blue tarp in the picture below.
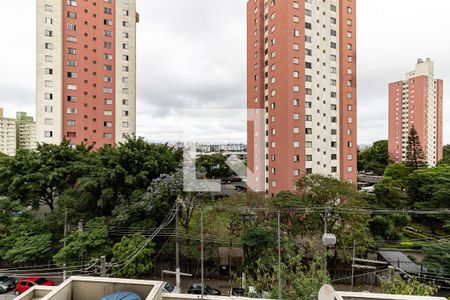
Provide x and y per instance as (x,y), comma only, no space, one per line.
(122,296)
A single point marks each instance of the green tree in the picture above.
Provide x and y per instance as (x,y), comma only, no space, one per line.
(39,177)
(437,257)
(415,156)
(214,166)
(341,200)
(29,248)
(445,156)
(397,286)
(123,174)
(132,256)
(389,195)
(398,173)
(24,239)
(375,158)
(91,243)
(430,188)
(300,280)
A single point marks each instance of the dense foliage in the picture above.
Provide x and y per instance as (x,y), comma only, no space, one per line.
(375,158)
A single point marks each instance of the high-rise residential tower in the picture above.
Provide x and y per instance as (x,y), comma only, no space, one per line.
(26,131)
(416,101)
(7,135)
(301,91)
(86,70)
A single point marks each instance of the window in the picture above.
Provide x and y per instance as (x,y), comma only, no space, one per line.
(296,5)
(125,113)
(71,15)
(48,108)
(333,7)
(72,2)
(48,7)
(72,87)
(108,124)
(308,157)
(308,118)
(107,67)
(48,21)
(308,144)
(296,74)
(48,96)
(108,33)
(71,75)
(107,113)
(296,47)
(71,98)
(48,134)
(296,144)
(125,125)
(296,102)
(48,33)
(125,24)
(296,116)
(308,65)
(71,63)
(107,45)
(71,111)
(308,130)
(48,71)
(48,83)
(72,39)
(72,51)
(107,11)
(107,56)
(107,90)
(107,22)
(296,33)
(72,27)
(71,123)
(296,19)
(296,61)
(107,101)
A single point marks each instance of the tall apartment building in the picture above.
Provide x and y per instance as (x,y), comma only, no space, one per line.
(26,131)
(417,101)
(301,91)
(86,70)
(7,135)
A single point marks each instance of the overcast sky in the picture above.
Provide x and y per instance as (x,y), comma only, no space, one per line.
(192,54)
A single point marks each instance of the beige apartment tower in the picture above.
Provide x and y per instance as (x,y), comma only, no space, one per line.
(26,131)
(301,86)
(86,71)
(417,101)
(7,135)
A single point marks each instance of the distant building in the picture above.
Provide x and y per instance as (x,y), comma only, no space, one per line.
(416,101)
(26,131)
(7,135)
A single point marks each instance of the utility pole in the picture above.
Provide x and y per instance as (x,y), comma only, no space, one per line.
(65,237)
(202,254)
(353,262)
(177,247)
(103,266)
(279,257)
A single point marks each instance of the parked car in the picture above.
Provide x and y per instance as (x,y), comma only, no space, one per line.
(27,283)
(7,284)
(170,288)
(196,289)
(237,291)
